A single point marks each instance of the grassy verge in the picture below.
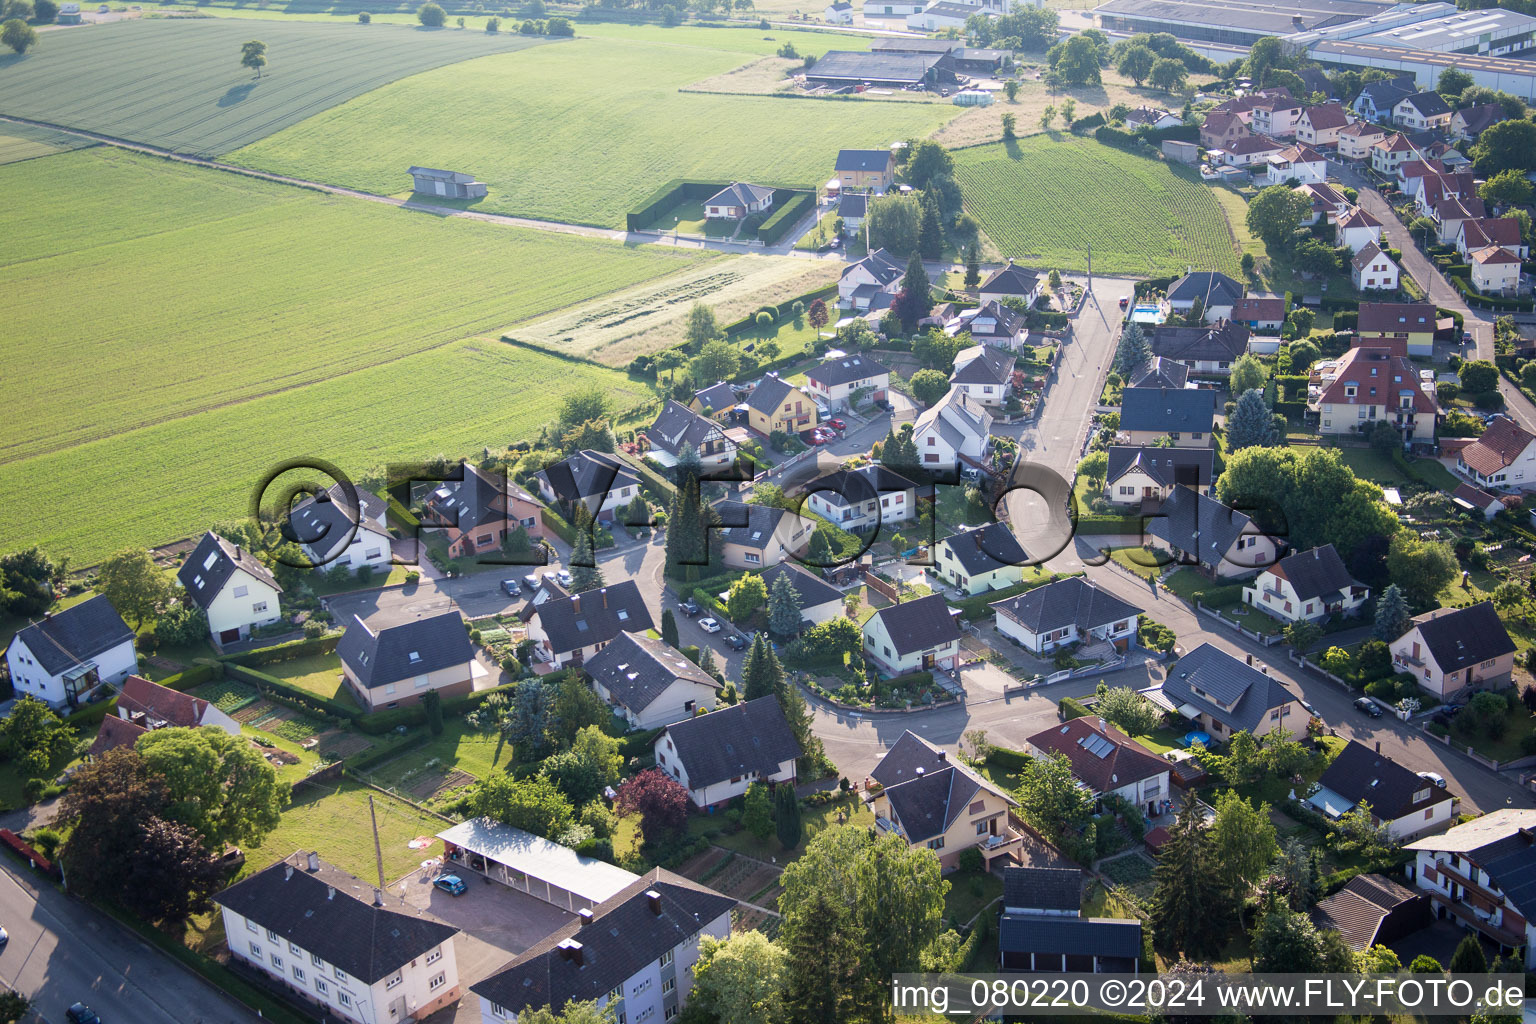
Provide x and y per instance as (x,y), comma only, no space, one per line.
(969,893)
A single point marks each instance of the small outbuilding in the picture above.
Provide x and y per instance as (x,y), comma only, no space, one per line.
(531,864)
(429,181)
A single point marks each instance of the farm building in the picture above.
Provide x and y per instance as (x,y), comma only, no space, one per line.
(428,181)
(738,200)
(69,14)
(551,872)
(972,60)
(839,13)
(842,69)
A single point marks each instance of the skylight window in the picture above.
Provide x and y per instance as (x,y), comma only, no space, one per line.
(415,656)
(213,556)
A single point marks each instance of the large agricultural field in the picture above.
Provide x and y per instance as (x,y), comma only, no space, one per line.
(27,142)
(186,329)
(587,130)
(178,84)
(1044,200)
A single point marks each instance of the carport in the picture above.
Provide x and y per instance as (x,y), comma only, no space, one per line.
(528,863)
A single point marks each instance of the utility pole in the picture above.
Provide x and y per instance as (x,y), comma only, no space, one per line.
(1090,266)
(378,853)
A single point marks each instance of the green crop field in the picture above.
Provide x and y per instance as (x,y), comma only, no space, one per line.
(587,130)
(26,142)
(179,84)
(174,345)
(1045,200)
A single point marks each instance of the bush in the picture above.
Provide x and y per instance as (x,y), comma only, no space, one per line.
(363,17)
(313,630)
(1069,708)
(431,15)
(971,860)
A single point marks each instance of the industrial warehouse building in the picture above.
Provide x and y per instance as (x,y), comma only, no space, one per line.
(1238,22)
(841,69)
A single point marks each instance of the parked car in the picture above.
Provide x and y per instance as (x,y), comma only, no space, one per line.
(1309,709)
(710,625)
(737,641)
(564,577)
(531,582)
(1125,300)
(1369,706)
(511,588)
(811,437)
(689,606)
(836,423)
(79,1013)
(1434,777)
(451,884)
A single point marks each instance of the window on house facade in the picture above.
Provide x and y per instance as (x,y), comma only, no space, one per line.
(393,981)
(256,950)
(322,986)
(242,591)
(438,981)
(666,958)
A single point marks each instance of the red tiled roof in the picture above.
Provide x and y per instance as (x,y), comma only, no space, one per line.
(1494,254)
(1359,218)
(1362,128)
(1254,144)
(1329,115)
(1475,496)
(1258,309)
(1397,143)
(1396,317)
(1484,231)
(1117,760)
(1500,445)
(181,709)
(1379,377)
(115,732)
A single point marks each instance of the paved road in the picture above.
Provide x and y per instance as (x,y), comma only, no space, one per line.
(62,950)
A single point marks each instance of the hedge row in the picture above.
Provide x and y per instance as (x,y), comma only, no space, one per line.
(710,603)
(271,686)
(789,206)
(659,489)
(289,651)
(1492,301)
(1007,759)
(562,529)
(671,194)
(915,680)
(1070,708)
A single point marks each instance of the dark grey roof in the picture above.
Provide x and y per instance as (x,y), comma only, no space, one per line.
(1481,116)
(881,264)
(212,563)
(370,506)
(751,526)
(474,499)
(1511,864)
(627,932)
(730,742)
(1198,525)
(593,617)
(813,590)
(62,640)
(331,914)
(1429,104)
(1043,888)
(1463,637)
(1159,372)
(989,366)
(863,159)
(1069,602)
(405,651)
(902,761)
(587,473)
(1012,279)
(1006,323)
(927,805)
(770,394)
(920,624)
(1224,340)
(986,548)
(1192,467)
(846,369)
(677,426)
(739,192)
(852,204)
(1168,409)
(1235,693)
(1364,776)
(716,397)
(1316,573)
(1074,936)
(852,486)
(636,669)
(865,66)
(1211,288)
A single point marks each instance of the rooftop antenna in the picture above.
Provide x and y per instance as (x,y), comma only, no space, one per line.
(378,853)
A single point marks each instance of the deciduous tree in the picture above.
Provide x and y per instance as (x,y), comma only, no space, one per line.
(431,15)
(1508,188)
(216,783)
(34,737)
(660,801)
(1136,62)
(534,805)
(1507,145)
(1050,797)
(746,596)
(757,811)
(1126,709)
(18,35)
(1275,213)
(1243,840)
(134,584)
(928,386)
(741,979)
(253,54)
(1167,74)
(1420,568)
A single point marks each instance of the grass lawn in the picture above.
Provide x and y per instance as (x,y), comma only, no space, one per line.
(1139,560)
(176,260)
(1370,464)
(1162,740)
(320,674)
(969,894)
(814,818)
(481,754)
(1186,582)
(1043,200)
(1518,724)
(333,819)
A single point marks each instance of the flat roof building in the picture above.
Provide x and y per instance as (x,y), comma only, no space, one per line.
(529,863)
(1238,22)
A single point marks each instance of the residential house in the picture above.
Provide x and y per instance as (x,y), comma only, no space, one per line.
(718,402)
(1388,154)
(954,430)
(429,181)
(1422,111)
(1355,140)
(604,483)
(852,207)
(1216,292)
(776,404)
(715,757)
(648,682)
(877,274)
(1481,874)
(1307,586)
(1145,475)
(355,951)
(1357,229)
(393,666)
(1450,214)
(334,528)
(737,201)
(1377,100)
(1248,151)
(1209,349)
(929,799)
(1410,324)
(569,630)
(1151,117)
(913,636)
(1370,385)
(1469,122)
(1223,695)
(757,536)
(978,560)
(1372,910)
(143,706)
(863,499)
(1319,126)
(1199,530)
(1298,163)
(1277,116)
(64,656)
(678,427)
(632,954)
(1159,372)
(984,374)
(232,587)
(1477,500)
(1481,232)
(1066,612)
(1372,269)
(477,511)
(1220,130)
(835,381)
(1431,188)
(867,170)
(1260,315)
(1041,931)
(941,15)
(1412,174)
(1186,415)
(997,326)
(1106,761)
(1450,650)
(819,600)
(1495,271)
(839,13)
(1401,801)
(1503,458)
(1011,281)
(1244,105)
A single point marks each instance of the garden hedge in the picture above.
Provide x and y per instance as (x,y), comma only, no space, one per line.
(285,652)
(1069,708)
(669,195)
(789,206)
(1007,759)
(562,529)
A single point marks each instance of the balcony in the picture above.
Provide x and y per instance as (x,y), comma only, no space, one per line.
(1498,933)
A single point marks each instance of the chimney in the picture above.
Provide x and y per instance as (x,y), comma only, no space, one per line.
(944,755)
(654,899)
(378,896)
(571,950)
(919,770)
(604,592)
(314,861)
(1378,746)
(238,554)
(330,892)
(585,915)
(576,602)
(287,872)
(1250,659)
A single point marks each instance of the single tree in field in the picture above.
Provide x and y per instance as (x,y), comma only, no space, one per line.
(18,35)
(253,55)
(1136,62)
(431,15)
(1068,110)
(1167,74)
(1011,89)
(1010,127)
(1047,116)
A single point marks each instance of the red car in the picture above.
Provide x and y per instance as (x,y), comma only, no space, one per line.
(837,424)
